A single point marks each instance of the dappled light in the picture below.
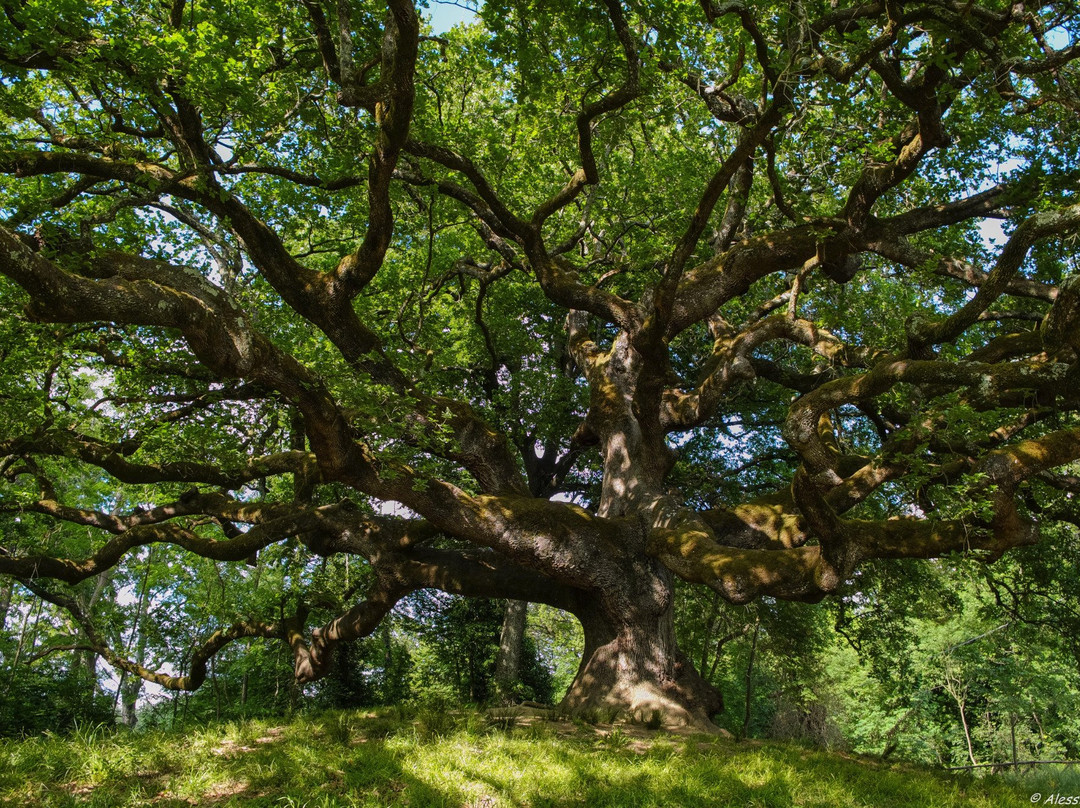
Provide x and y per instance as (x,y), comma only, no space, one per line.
(661,317)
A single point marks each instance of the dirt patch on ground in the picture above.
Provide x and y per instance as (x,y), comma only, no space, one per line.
(634,736)
(230,748)
(218,792)
(272,735)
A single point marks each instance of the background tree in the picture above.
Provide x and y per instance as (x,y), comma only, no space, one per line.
(289,285)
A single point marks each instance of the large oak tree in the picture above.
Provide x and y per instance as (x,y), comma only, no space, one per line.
(560,307)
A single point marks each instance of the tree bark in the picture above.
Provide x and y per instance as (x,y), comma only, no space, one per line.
(129,699)
(750,681)
(1012,734)
(511,640)
(88,659)
(632,667)
(128,690)
(6,588)
(36,605)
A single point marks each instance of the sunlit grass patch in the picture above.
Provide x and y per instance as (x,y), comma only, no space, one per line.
(466,758)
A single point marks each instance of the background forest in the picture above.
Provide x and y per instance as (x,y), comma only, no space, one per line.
(951,663)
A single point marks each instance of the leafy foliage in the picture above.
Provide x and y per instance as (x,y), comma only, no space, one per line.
(313,319)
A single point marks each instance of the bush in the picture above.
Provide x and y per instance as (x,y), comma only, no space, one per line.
(38,699)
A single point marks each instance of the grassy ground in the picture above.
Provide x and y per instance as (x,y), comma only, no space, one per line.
(441,759)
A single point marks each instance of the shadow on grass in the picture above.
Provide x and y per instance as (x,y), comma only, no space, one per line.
(721,774)
(351,759)
(311,765)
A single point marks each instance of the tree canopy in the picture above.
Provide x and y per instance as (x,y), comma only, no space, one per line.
(558,307)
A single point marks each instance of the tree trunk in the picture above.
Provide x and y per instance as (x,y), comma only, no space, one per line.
(88,660)
(511,639)
(128,691)
(5,601)
(750,682)
(129,700)
(214,687)
(1012,733)
(967,735)
(36,605)
(632,668)
(956,688)
(130,687)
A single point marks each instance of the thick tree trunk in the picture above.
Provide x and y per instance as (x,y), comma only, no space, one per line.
(631,667)
(631,664)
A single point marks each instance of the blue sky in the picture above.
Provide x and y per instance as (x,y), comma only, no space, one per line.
(445,15)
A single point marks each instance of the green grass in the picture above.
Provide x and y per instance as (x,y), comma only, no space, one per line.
(392,757)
